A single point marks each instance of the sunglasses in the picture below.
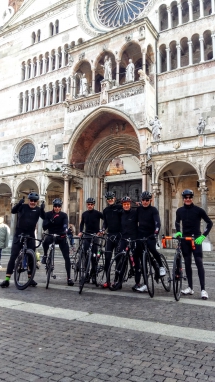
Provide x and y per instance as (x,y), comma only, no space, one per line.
(126,204)
(145,200)
(33,201)
(90,204)
(188,197)
(57,205)
(109,198)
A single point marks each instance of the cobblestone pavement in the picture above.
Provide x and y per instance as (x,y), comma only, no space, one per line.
(104,336)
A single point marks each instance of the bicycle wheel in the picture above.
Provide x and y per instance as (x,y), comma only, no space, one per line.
(100,269)
(49,267)
(25,268)
(166,280)
(148,273)
(117,271)
(177,276)
(84,269)
(74,259)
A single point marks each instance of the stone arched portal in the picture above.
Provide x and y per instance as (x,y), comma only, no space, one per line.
(103,136)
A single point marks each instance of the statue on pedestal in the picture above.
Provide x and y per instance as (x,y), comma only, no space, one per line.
(107,67)
(44,153)
(156,129)
(130,71)
(201,125)
(83,86)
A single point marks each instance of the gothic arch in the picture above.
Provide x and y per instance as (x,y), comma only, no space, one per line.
(167,166)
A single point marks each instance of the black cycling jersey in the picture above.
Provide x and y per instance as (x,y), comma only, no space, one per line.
(129,224)
(149,220)
(112,218)
(191,220)
(91,220)
(27,218)
(55,222)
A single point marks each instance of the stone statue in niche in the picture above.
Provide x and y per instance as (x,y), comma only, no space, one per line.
(156,129)
(83,86)
(15,158)
(148,153)
(129,77)
(107,67)
(201,125)
(44,153)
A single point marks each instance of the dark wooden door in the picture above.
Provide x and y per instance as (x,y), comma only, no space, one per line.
(132,188)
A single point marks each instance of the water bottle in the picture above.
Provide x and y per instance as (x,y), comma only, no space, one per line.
(132,260)
(98,254)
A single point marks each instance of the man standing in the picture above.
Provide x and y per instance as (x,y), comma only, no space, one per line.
(112,223)
(27,218)
(4,236)
(148,226)
(56,222)
(191,216)
(90,223)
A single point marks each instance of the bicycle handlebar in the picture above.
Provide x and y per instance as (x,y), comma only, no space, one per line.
(24,236)
(92,236)
(188,238)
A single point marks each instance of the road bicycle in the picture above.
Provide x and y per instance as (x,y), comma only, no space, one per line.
(151,270)
(97,259)
(49,267)
(25,264)
(122,267)
(74,254)
(177,271)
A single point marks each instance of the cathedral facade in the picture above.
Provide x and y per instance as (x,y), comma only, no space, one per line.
(103,95)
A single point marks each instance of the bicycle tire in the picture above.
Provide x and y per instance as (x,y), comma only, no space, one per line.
(148,273)
(84,270)
(117,271)
(21,269)
(74,260)
(166,280)
(49,267)
(100,270)
(177,276)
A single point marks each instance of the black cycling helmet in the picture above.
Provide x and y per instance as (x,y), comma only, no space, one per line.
(33,195)
(109,195)
(126,199)
(57,201)
(146,195)
(91,200)
(187,193)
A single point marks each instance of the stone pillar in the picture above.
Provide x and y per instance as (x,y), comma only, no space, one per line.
(178,56)
(206,245)
(54,93)
(213,44)
(47,95)
(190,45)
(63,58)
(201,39)
(44,65)
(169,17)
(201,3)
(36,100)
(41,98)
(22,73)
(38,63)
(144,176)
(144,61)
(68,85)
(66,194)
(29,101)
(168,59)
(190,3)
(50,63)
(60,91)
(56,60)
(32,69)
(93,80)
(117,72)
(212,7)
(26,72)
(24,103)
(72,86)
(179,13)
(156,192)
(13,221)
(158,61)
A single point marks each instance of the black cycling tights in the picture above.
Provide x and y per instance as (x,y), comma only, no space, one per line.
(201,271)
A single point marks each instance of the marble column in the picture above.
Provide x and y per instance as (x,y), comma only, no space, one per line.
(47,95)
(179,13)
(41,98)
(24,103)
(60,91)
(201,4)
(56,60)
(66,194)
(29,101)
(31,69)
(13,221)
(190,3)
(213,44)
(71,86)
(117,72)
(63,58)
(93,81)
(144,176)
(26,72)
(178,47)
(190,46)
(158,61)
(54,93)
(156,193)
(201,40)
(212,7)
(67,85)
(38,63)
(50,63)
(206,245)
(44,65)
(144,61)
(169,17)
(36,100)
(168,59)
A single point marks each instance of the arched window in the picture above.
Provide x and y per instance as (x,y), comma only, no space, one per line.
(56,26)
(51,29)
(33,38)
(38,35)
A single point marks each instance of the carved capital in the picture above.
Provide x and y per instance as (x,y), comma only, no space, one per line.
(202,186)
(77,182)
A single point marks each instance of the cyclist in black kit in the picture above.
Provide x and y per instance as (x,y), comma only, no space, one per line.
(90,223)
(148,226)
(112,223)
(191,216)
(27,218)
(56,222)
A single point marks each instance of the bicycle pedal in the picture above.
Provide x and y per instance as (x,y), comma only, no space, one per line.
(54,277)
(184,278)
